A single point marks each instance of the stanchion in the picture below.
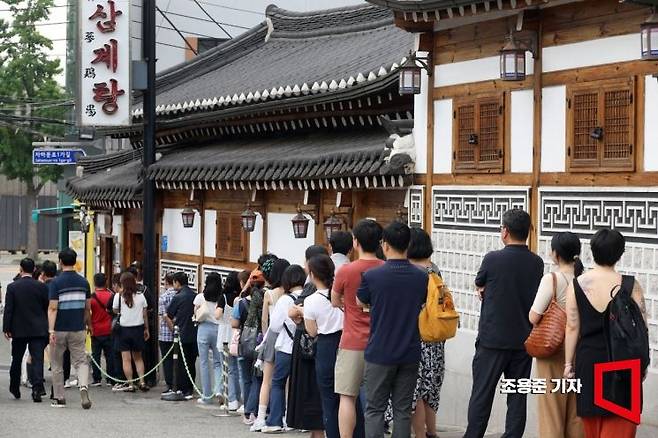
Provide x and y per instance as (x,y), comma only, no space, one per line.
(225,411)
(176,395)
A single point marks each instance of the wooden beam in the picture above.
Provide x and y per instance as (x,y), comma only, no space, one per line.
(483,179)
(427,220)
(603,179)
(483,87)
(536,144)
(600,72)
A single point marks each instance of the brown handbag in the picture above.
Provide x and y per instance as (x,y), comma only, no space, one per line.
(547,337)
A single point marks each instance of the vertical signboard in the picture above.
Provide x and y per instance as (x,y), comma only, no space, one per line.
(104,55)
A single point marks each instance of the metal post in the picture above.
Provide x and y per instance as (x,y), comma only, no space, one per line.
(149,262)
(177,395)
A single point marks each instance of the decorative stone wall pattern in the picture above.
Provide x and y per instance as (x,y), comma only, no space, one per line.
(416,206)
(466,226)
(221,270)
(633,212)
(474,208)
(191,269)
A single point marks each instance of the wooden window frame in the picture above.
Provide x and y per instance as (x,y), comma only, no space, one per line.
(600,163)
(224,237)
(478,166)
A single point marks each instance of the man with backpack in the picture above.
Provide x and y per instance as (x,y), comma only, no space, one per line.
(101,330)
(395,293)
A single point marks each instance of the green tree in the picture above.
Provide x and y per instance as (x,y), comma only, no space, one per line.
(31,100)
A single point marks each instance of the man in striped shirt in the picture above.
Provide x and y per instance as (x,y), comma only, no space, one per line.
(68,319)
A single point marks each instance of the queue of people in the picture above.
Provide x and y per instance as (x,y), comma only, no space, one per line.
(334,347)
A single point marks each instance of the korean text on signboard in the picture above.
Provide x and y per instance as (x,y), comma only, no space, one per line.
(56,156)
(104,62)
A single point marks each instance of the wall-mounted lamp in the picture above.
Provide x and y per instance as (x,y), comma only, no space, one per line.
(188,212)
(409,76)
(512,56)
(649,35)
(300,222)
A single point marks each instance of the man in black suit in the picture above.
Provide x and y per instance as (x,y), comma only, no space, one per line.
(26,324)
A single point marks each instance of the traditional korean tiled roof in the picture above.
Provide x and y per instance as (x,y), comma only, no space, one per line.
(289,56)
(109,180)
(306,161)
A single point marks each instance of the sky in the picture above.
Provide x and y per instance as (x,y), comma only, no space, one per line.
(235,16)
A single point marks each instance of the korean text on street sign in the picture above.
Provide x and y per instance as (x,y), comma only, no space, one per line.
(104,54)
(56,156)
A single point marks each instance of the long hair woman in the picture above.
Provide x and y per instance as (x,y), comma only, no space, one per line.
(557,411)
(230,293)
(585,341)
(210,304)
(132,308)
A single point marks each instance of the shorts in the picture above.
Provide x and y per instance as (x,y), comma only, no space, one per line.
(350,365)
(132,339)
(268,349)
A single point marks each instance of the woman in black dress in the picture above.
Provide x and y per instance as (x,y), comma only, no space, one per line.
(585,343)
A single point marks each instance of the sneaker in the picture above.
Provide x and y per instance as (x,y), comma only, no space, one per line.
(67,385)
(58,403)
(188,396)
(167,391)
(121,387)
(272,429)
(203,401)
(129,388)
(84,397)
(96,384)
(74,382)
(258,425)
(249,420)
(108,384)
(240,410)
(233,405)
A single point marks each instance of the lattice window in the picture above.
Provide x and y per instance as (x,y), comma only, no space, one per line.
(231,240)
(478,132)
(601,126)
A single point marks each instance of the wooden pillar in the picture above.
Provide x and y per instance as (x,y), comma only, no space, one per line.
(427,208)
(536,143)
(202,238)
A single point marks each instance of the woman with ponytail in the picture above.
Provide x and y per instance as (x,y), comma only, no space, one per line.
(557,411)
(325,321)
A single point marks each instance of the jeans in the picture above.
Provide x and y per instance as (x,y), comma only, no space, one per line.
(282,364)
(190,354)
(207,341)
(252,385)
(75,342)
(488,365)
(234,381)
(36,347)
(168,363)
(396,382)
(102,344)
(325,362)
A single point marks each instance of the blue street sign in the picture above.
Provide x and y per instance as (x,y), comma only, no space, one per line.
(58,157)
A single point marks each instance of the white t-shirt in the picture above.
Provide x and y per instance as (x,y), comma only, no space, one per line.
(199,300)
(280,317)
(130,316)
(318,308)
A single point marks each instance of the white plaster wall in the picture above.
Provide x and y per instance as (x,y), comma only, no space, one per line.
(100,224)
(650,119)
(443,136)
(553,131)
(256,240)
(281,240)
(210,233)
(181,240)
(420,121)
(476,70)
(593,52)
(522,130)
(117,227)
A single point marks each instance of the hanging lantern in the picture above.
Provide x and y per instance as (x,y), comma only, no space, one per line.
(512,61)
(649,32)
(332,224)
(409,76)
(300,225)
(248,219)
(188,217)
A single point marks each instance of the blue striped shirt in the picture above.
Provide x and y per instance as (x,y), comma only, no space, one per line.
(72,291)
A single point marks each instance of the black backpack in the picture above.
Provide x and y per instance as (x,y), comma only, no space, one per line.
(626,336)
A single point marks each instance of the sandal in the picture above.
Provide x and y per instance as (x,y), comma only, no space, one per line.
(143,387)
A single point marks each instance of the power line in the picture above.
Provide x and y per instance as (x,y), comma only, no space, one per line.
(176,29)
(211,17)
(191,17)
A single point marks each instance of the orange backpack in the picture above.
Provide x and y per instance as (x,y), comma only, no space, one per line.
(438,320)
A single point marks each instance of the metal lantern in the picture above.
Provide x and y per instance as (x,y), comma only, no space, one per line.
(188,217)
(248,219)
(649,32)
(332,224)
(409,78)
(300,225)
(512,61)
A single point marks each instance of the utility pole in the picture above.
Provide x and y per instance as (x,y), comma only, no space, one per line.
(149,262)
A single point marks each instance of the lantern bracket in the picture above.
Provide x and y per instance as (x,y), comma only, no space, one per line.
(313,212)
(423,61)
(257,208)
(526,40)
(347,219)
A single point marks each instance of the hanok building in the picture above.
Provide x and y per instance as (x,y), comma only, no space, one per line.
(550,106)
(266,143)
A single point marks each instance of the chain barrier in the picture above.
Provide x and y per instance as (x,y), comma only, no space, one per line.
(135,379)
(187,370)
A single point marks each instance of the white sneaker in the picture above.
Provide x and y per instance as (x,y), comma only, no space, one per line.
(233,405)
(240,410)
(258,425)
(202,401)
(272,429)
(67,384)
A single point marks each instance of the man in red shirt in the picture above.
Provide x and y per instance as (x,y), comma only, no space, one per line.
(101,329)
(350,362)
